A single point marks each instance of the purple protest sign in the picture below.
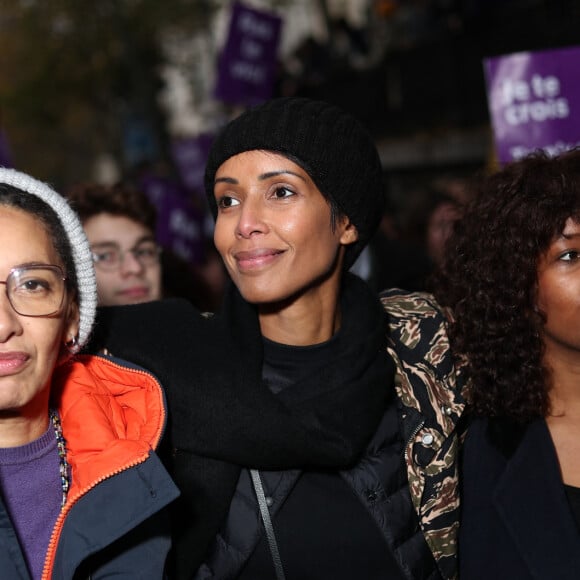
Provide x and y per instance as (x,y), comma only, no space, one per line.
(180,226)
(534,102)
(190,156)
(247,66)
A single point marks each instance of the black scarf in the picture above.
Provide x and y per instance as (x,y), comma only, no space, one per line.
(223,417)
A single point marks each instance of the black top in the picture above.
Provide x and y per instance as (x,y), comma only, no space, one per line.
(317,539)
(285,365)
(573,495)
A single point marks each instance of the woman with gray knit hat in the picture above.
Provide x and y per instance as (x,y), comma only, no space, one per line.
(82,493)
(310,440)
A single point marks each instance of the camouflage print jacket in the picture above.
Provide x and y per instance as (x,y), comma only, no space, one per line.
(429,386)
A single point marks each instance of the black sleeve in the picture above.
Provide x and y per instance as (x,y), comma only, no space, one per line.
(172,340)
(143,333)
(180,347)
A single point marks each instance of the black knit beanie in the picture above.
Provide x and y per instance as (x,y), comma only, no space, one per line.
(330,145)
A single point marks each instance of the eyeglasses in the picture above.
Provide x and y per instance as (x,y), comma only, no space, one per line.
(110,257)
(36,290)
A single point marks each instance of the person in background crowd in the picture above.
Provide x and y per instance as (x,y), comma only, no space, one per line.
(446,211)
(388,261)
(83,494)
(512,281)
(120,224)
(182,280)
(313,427)
(213,278)
(432,222)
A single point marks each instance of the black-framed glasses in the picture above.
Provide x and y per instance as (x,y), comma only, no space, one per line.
(36,290)
(109,256)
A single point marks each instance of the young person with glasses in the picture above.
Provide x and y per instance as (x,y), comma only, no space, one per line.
(120,224)
(82,491)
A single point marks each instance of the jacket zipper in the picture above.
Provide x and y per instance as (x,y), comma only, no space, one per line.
(49,560)
(415,431)
(68,506)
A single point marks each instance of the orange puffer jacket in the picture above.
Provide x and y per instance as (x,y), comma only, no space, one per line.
(115,520)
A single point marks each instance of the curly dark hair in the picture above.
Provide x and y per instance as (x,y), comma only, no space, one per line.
(489,281)
(90,199)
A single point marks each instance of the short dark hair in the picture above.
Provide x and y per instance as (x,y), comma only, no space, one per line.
(121,199)
(489,280)
(11,196)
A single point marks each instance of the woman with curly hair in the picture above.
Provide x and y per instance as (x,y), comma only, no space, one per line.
(512,280)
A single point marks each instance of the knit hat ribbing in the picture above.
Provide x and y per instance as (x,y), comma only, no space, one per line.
(330,145)
(81,252)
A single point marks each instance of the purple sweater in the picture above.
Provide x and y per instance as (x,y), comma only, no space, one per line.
(32,493)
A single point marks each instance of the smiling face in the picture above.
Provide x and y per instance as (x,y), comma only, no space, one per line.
(29,347)
(558,294)
(131,282)
(274,232)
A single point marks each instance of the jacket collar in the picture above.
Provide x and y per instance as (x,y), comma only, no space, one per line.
(112,415)
(532,504)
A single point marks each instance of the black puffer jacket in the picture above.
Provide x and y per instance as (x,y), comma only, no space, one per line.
(379,481)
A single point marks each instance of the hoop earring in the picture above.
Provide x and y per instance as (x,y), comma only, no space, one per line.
(72,345)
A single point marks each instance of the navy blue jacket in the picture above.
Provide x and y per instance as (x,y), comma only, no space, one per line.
(516,521)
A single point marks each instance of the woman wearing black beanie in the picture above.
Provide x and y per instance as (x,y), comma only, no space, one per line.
(313,427)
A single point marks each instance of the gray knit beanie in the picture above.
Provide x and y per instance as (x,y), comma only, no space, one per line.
(81,252)
(330,145)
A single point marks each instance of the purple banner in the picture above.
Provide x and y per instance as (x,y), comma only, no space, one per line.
(534,102)
(247,66)
(190,156)
(180,226)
